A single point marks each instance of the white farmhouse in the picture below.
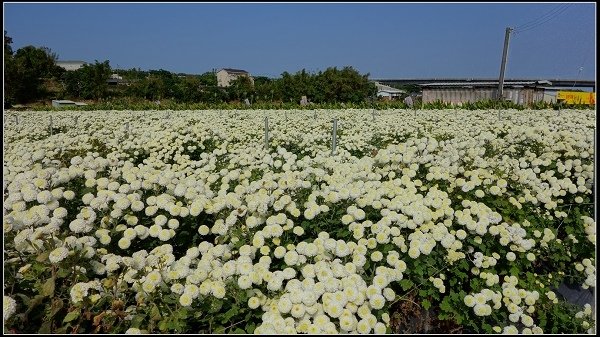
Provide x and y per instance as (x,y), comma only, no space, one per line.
(226,75)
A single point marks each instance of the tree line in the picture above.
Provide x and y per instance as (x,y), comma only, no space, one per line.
(31,75)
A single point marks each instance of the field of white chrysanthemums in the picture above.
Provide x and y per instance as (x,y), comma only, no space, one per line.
(185,222)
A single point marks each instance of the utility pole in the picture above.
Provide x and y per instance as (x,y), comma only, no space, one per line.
(503,65)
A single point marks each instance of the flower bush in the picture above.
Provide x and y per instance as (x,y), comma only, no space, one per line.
(184,222)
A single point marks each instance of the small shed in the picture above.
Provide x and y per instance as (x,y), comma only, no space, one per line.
(59,103)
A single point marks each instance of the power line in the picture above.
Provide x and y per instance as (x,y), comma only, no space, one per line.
(557,13)
(533,22)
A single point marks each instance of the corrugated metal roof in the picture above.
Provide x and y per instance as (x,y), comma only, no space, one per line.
(56,102)
(70,62)
(387,88)
(472,84)
(231,70)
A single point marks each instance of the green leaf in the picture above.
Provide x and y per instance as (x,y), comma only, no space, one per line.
(71,316)
(136,322)
(45,328)
(24,298)
(182,313)
(230,313)
(406,284)
(48,288)
(43,256)
(163,325)
(446,306)
(57,306)
(426,304)
(63,272)
(238,331)
(155,313)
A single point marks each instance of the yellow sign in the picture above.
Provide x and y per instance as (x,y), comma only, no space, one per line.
(576,97)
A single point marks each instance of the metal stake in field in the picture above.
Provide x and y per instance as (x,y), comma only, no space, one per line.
(50,125)
(16,120)
(266,132)
(373,112)
(286,117)
(334,136)
(127,128)
(76,118)
(315,114)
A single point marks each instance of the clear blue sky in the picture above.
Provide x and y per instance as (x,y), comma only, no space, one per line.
(387,40)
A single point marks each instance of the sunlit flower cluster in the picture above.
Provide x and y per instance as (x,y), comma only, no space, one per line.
(195,209)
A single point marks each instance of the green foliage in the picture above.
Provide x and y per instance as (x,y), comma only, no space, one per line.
(26,72)
(88,82)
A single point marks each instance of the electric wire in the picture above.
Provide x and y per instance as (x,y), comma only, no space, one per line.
(533,22)
(542,22)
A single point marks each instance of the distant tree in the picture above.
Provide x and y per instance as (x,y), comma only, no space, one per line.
(162,84)
(26,71)
(189,89)
(263,88)
(332,85)
(410,88)
(7,45)
(89,81)
(241,88)
(208,79)
(9,71)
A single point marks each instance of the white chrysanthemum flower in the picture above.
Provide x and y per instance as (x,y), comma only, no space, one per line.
(253,302)
(363,326)
(58,254)
(164,234)
(173,223)
(9,307)
(124,243)
(69,195)
(133,331)
(185,299)
(376,256)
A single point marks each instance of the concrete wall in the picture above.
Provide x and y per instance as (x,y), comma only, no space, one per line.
(463,95)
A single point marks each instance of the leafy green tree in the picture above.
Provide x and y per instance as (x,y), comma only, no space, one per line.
(89,81)
(9,70)
(208,79)
(8,52)
(26,71)
(332,85)
(189,89)
(241,88)
(264,88)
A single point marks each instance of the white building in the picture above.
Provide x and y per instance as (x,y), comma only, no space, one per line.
(71,65)
(226,75)
(388,92)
